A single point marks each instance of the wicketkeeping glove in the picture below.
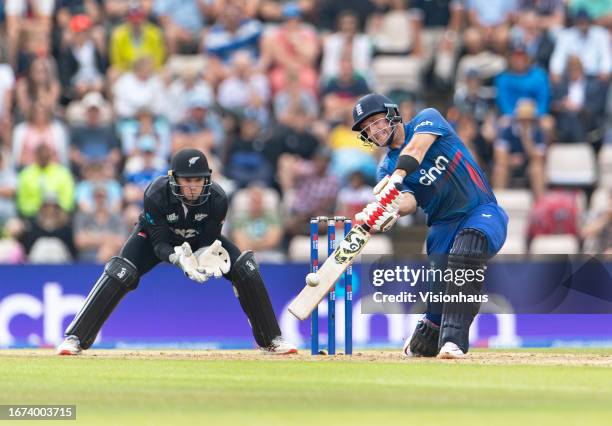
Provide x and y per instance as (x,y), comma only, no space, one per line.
(213,260)
(378,218)
(183,257)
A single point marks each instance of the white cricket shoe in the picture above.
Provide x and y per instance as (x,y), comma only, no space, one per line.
(280,346)
(70,346)
(451,351)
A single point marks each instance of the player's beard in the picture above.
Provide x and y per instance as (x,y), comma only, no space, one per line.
(385,136)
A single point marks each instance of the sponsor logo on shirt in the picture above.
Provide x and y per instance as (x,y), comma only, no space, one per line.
(172,217)
(431,175)
(423,123)
(199,216)
(185,233)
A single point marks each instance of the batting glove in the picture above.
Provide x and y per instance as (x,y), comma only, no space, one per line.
(377,217)
(183,258)
(387,192)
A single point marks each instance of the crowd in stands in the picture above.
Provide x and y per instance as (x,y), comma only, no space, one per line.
(96,95)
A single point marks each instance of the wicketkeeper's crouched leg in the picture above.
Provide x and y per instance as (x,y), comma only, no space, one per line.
(119,277)
(252,294)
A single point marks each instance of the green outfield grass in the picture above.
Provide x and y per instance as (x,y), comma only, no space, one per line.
(110,391)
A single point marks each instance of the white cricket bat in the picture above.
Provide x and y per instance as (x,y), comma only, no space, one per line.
(331,270)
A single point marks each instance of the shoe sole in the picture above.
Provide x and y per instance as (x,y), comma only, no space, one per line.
(67,352)
(449,355)
(289,352)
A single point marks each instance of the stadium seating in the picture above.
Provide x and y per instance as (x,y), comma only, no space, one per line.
(555,244)
(605,166)
(571,164)
(299,248)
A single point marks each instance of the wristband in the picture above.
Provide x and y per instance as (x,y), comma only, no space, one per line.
(407,163)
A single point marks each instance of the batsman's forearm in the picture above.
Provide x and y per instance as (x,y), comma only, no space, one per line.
(407,204)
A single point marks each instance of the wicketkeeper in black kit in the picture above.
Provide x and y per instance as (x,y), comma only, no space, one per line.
(181,224)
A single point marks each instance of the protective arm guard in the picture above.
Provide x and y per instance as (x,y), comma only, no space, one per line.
(254,300)
(469,251)
(119,277)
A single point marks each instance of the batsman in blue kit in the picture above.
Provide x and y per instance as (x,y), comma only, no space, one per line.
(428,166)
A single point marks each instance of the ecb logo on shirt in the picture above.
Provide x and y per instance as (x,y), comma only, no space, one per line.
(431,175)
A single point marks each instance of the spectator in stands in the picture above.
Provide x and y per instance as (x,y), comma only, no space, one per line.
(354,197)
(550,13)
(8,185)
(295,96)
(330,11)
(479,138)
(292,49)
(521,80)
(579,103)
(182,22)
(310,188)
(520,150)
(245,86)
(145,125)
(43,177)
(346,42)
(135,39)
(130,214)
(490,15)
(48,237)
(40,86)
(440,23)
(531,32)
(11,250)
(246,160)
(472,98)
(141,175)
(349,154)
(116,10)
(233,31)
(7,88)
(597,231)
(39,129)
(396,36)
(340,93)
(201,128)
(140,88)
(258,226)
(589,42)
(93,141)
(100,232)
(292,135)
(82,59)
(189,81)
(488,63)
(599,10)
(17,21)
(394,30)
(94,176)
(65,10)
